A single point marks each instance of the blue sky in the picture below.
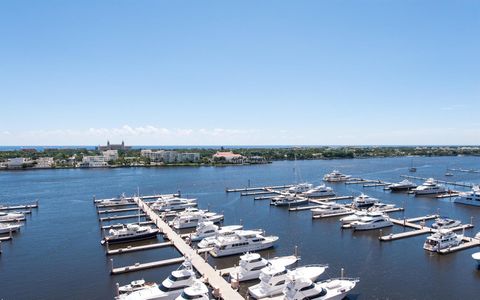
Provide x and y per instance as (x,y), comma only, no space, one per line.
(239,72)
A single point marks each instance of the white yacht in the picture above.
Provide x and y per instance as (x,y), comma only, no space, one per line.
(429,187)
(336,176)
(304,288)
(381,207)
(122,200)
(329,209)
(299,188)
(197,291)
(11,217)
(319,192)
(372,222)
(241,242)
(442,239)
(130,232)
(445,223)
(364,201)
(402,185)
(191,217)
(470,198)
(288,200)
(207,229)
(173,203)
(251,264)
(274,278)
(170,288)
(476,257)
(211,240)
(8,227)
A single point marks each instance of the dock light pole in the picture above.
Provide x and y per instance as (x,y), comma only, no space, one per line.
(341,273)
(111,265)
(0,247)
(471,220)
(295,251)
(117,289)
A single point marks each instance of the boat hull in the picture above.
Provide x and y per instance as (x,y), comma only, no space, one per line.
(467,202)
(251,248)
(146,236)
(362,227)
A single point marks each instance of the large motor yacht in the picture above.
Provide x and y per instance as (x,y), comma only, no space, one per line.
(251,264)
(274,278)
(299,188)
(191,217)
(429,187)
(304,288)
(11,217)
(288,200)
(207,229)
(336,176)
(130,232)
(445,223)
(442,239)
(364,201)
(211,240)
(381,207)
(8,227)
(319,192)
(402,185)
(241,242)
(372,222)
(470,198)
(329,209)
(170,288)
(173,203)
(197,291)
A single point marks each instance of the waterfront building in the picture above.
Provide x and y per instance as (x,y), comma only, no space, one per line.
(228,156)
(96,161)
(110,155)
(44,162)
(18,162)
(170,156)
(113,147)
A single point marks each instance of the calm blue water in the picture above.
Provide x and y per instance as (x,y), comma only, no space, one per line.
(57,255)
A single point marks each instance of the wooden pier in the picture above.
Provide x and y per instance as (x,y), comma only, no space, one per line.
(330,199)
(121,217)
(137,248)
(15,207)
(247,189)
(467,244)
(109,211)
(131,199)
(139,266)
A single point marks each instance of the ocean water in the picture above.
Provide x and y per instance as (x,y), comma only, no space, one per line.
(57,254)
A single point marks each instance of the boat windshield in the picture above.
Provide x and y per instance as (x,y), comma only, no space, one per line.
(187,296)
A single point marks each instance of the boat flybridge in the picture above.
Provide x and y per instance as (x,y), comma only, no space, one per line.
(402,185)
(445,223)
(207,229)
(169,289)
(442,239)
(130,232)
(273,279)
(11,217)
(190,217)
(251,264)
(9,227)
(173,203)
(372,222)
(470,198)
(288,200)
(336,176)
(198,290)
(211,240)
(429,187)
(299,288)
(329,209)
(241,242)
(319,192)
(364,201)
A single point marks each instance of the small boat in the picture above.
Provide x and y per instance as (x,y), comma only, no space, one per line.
(210,241)
(173,203)
(241,242)
(372,222)
(198,290)
(288,200)
(11,217)
(470,198)
(364,201)
(8,227)
(326,210)
(251,264)
(319,192)
(274,278)
(476,257)
(402,186)
(442,239)
(445,223)
(448,174)
(207,229)
(169,289)
(336,176)
(305,288)
(429,187)
(191,217)
(130,232)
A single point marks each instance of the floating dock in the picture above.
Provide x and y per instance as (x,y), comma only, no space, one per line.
(121,217)
(139,266)
(109,211)
(15,207)
(247,189)
(138,248)
(130,199)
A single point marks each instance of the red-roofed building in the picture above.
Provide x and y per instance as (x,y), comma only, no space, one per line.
(228,157)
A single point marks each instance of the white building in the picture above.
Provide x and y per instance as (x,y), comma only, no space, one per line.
(228,157)
(110,155)
(44,162)
(96,161)
(17,162)
(170,156)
